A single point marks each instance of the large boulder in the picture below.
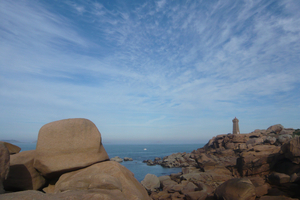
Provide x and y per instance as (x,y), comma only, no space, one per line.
(291,150)
(4,164)
(13,149)
(276,129)
(108,176)
(236,189)
(22,175)
(67,145)
(151,182)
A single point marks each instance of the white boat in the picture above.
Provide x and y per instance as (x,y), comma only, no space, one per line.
(145,149)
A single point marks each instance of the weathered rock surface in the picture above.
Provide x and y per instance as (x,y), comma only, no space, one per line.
(22,175)
(236,189)
(24,195)
(151,183)
(4,164)
(93,194)
(291,150)
(67,145)
(109,176)
(257,160)
(13,149)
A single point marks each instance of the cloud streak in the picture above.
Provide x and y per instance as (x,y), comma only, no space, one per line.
(162,64)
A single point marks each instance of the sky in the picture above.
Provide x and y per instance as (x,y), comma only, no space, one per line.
(155,71)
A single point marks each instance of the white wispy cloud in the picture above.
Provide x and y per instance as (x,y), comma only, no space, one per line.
(149,63)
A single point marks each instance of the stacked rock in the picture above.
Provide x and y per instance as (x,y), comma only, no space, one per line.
(69,162)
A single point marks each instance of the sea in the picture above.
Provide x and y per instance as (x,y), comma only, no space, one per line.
(139,152)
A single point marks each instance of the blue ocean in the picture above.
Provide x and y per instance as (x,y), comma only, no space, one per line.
(139,153)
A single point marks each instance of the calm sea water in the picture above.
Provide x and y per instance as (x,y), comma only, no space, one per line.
(138,154)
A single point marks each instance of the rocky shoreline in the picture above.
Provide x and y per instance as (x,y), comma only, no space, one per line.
(70,162)
(263,164)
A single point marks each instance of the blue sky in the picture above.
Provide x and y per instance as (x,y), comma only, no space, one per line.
(149,71)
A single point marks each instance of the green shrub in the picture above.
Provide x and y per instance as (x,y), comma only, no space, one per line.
(296,132)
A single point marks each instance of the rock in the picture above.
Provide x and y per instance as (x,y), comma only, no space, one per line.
(236,189)
(262,190)
(117,159)
(168,183)
(291,150)
(255,141)
(93,194)
(212,178)
(283,165)
(276,198)
(50,188)
(288,131)
(74,195)
(173,160)
(13,149)
(67,145)
(163,178)
(284,138)
(197,195)
(278,178)
(4,164)
(187,170)
(257,161)
(189,187)
(150,163)
(256,181)
(151,182)
(22,174)
(157,159)
(109,176)
(161,195)
(275,129)
(239,138)
(24,195)
(230,145)
(270,140)
(128,159)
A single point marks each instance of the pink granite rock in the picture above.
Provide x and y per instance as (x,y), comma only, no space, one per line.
(67,145)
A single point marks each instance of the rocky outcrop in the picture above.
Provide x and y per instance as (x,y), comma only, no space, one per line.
(268,159)
(22,175)
(128,159)
(68,145)
(117,159)
(73,163)
(4,164)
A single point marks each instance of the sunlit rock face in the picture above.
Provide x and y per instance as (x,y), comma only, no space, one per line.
(67,145)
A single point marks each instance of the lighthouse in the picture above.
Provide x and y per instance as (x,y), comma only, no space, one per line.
(235,129)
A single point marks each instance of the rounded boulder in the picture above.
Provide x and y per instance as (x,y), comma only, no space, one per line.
(67,145)
(236,189)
